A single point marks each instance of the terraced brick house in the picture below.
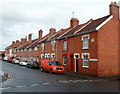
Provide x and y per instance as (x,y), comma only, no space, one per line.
(87,48)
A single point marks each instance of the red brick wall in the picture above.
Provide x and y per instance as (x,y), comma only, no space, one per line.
(108,49)
(75,46)
(119,47)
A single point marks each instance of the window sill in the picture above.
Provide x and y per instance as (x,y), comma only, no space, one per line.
(85,48)
(85,66)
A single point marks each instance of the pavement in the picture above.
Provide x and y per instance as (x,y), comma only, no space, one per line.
(90,77)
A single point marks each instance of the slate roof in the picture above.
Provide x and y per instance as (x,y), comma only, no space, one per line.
(94,24)
(87,27)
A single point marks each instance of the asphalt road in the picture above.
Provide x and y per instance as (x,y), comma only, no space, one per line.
(32,80)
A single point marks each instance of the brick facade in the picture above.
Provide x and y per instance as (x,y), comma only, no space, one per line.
(89,48)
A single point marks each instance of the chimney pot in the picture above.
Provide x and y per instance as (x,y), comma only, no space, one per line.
(30,37)
(40,34)
(52,30)
(74,22)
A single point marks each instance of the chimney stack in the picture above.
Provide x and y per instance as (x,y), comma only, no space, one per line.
(13,42)
(17,41)
(74,22)
(23,40)
(114,9)
(30,37)
(40,34)
(52,30)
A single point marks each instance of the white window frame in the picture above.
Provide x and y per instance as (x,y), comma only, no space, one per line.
(35,48)
(43,47)
(85,42)
(53,45)
(65,43)
(25,49)
(30,49)
(42,56)
(53,56)
(64,60)
(84,65)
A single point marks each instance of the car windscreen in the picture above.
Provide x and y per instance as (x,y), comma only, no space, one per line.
(17,59)
(35,62)
(55,63)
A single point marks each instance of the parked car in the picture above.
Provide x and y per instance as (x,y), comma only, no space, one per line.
(52,66)
(23,63)
(10,59)
(32,64)
(16,60)
(5,58)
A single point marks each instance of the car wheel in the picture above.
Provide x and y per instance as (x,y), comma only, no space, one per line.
(30,67)
(41,69)
(50,71)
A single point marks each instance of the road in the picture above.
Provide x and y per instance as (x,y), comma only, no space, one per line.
(32,80)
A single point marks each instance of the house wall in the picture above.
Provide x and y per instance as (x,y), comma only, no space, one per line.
(108,49)
(75,45)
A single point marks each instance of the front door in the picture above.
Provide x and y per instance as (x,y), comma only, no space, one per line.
(71,62)
(77,65)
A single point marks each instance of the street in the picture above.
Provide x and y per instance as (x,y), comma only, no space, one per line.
(33,80)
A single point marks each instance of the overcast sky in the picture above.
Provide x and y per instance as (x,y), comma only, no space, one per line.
(18,18)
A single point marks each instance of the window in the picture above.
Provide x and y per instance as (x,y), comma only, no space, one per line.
(53,56)
(43,47)
(30,49)
(42,56)
(25,49)
(85,39)
(85,57)
(35,48)
(53,45)
(65,45)
(64,60)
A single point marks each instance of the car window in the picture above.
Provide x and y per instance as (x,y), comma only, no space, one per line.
(17,59)
(55,63)
(35,62)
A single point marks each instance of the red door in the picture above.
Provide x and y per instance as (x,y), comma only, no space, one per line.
(71,62)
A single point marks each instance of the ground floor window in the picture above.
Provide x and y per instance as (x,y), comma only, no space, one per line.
(53,56)
(85,57)
(65,60)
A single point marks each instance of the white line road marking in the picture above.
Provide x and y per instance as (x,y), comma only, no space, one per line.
(5,88)
(34,85)
(21,86)
(46,83)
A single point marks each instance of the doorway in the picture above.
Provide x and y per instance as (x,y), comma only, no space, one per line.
(71,62)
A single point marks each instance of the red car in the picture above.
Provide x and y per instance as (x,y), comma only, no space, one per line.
(10,59)
(52,66)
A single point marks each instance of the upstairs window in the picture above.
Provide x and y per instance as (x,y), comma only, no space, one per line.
(25,49)
(64,45)
(85,39)
(43,47)
(30,49)
(53,45)
(35,48)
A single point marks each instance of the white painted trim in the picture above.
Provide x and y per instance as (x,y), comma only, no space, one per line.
(67,31)
(85,66)
(86,54)
(75,55)
(104,22)
(52,54)
(83,27)
(93,59)
(86,35)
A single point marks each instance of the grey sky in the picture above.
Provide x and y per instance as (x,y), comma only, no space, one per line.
(18,18)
